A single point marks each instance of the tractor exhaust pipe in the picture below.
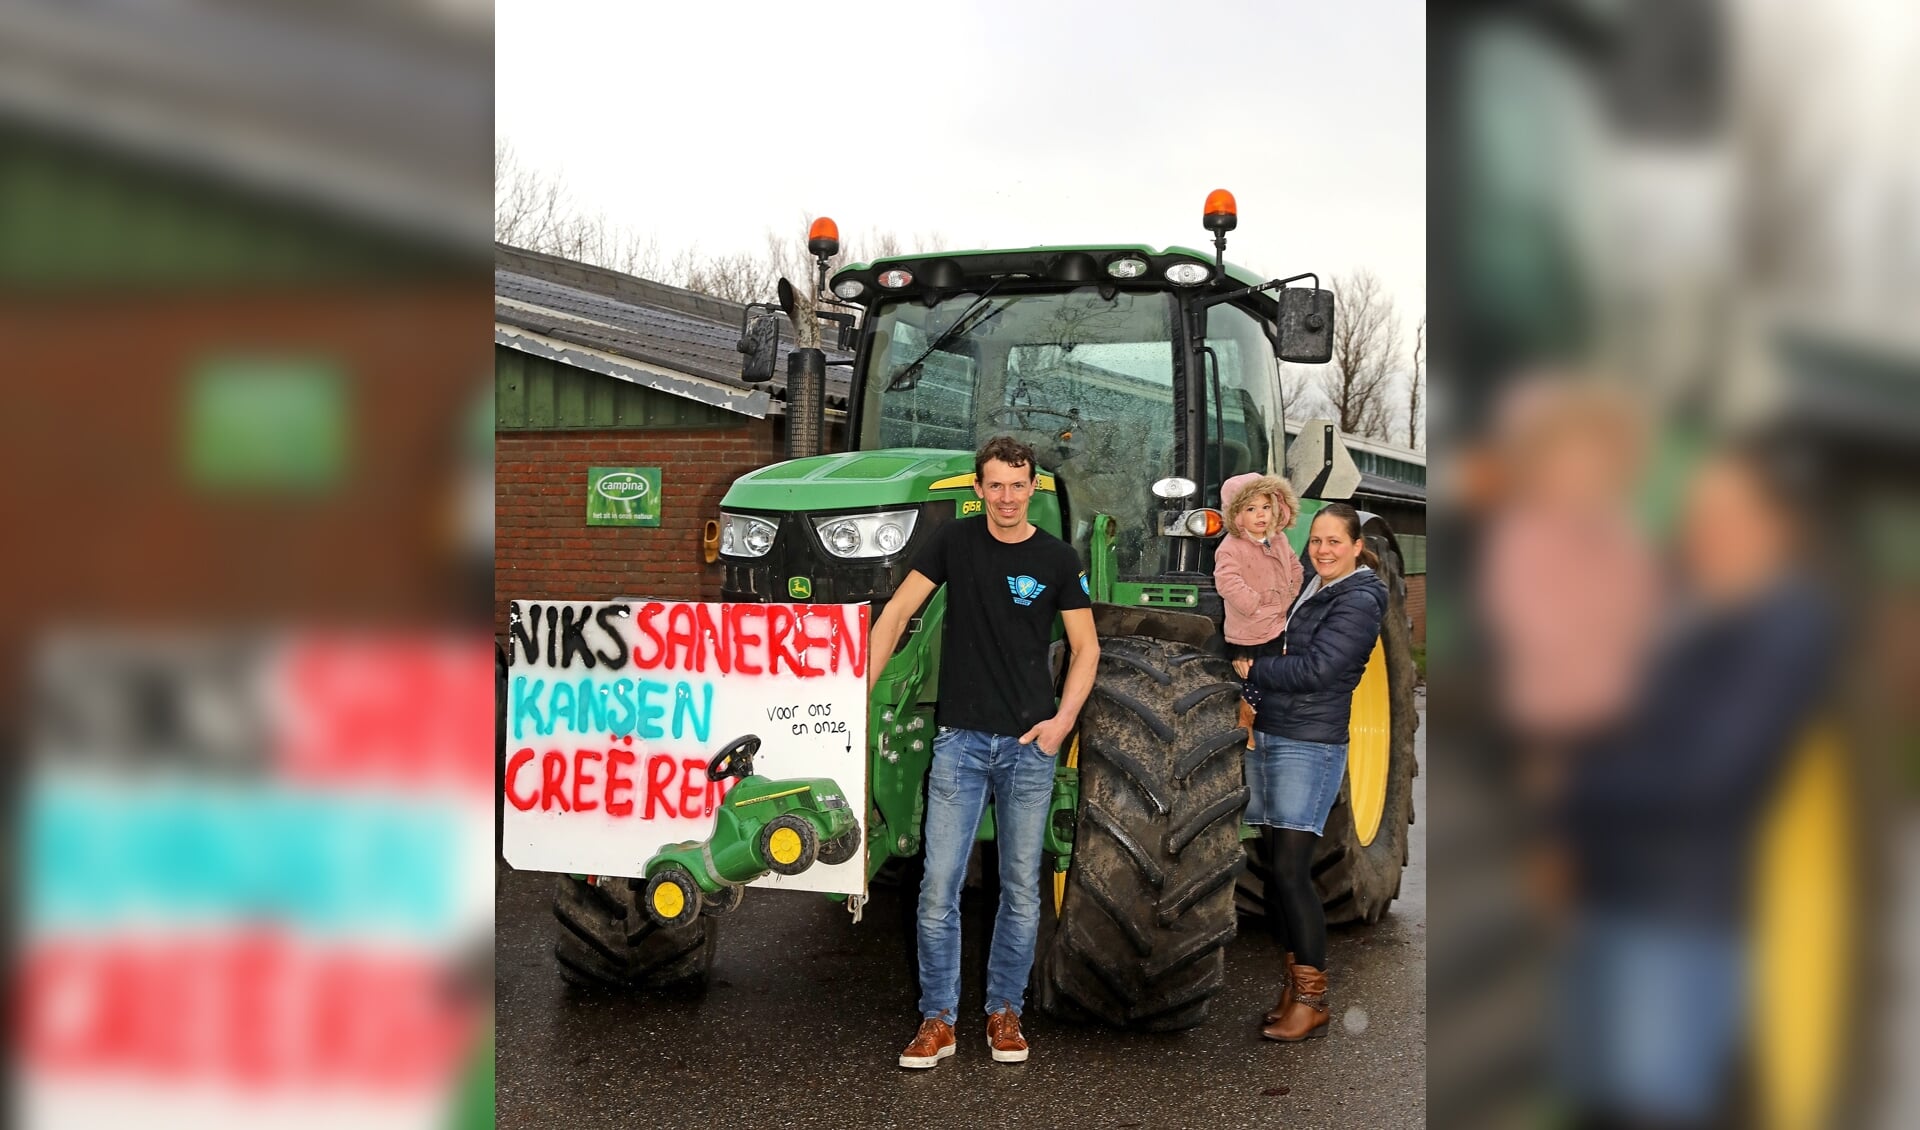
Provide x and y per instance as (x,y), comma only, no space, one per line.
(807,365)
(806,403)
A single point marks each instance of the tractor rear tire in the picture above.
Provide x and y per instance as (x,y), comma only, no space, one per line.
(1149,905)
(606,939)
(1357,882)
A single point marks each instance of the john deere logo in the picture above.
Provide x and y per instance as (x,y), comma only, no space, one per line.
(799,588)
(622,485)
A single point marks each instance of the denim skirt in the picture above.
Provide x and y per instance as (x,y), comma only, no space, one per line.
(1291,783)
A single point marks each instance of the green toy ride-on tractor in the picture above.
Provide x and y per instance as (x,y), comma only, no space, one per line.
(764,825)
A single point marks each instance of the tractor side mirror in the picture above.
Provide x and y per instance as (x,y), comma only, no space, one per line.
(1306,326)
(760,345)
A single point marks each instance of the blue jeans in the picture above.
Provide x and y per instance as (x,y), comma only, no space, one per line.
(968,765)
(1652,1016)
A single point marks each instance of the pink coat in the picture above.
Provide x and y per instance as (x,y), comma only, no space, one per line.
(1570,602)
(1258,584)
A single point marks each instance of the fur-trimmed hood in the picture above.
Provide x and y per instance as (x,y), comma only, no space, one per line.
(1256,483)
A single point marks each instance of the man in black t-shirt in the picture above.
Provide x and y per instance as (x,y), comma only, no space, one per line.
(1000,731)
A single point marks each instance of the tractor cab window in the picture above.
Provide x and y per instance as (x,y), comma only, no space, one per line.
(934,406)
(1085,378)
(1243,419)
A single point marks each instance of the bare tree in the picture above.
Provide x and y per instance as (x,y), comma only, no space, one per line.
(1416,382)
(885,245)
(527,207)
(1366,346)
(534,211)
(1788,152)
(737,277)
(1299,393)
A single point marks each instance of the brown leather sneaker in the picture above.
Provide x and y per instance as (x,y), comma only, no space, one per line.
(933,1043)
(1003,1036)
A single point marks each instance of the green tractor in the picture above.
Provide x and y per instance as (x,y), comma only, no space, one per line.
(1143,379)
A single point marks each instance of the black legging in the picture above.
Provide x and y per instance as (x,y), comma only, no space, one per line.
(1293,907)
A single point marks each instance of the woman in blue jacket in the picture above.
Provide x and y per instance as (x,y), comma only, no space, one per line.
(1300,747)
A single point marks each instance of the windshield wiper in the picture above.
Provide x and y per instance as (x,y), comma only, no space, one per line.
(908,377)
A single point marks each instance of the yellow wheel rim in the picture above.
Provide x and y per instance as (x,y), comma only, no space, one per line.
(1805,909)
(668,901)
(784,845)
(1370,746)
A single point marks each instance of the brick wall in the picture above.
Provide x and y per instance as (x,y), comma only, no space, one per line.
(543,547)
(98,424)
(1417,606)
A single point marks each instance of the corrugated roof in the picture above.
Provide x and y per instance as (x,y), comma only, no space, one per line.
(1379,486)
(542,303)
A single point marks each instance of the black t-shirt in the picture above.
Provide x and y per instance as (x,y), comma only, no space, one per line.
(1001,602)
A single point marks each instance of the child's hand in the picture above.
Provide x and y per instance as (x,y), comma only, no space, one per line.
(1243,667)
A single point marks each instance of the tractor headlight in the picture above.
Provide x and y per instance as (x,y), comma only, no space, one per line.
(866,535)
(1187,274)
(744,536)
(1203,523)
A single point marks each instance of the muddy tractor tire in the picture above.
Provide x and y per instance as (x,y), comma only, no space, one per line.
(606,939)
(1357,881)
(1149,903)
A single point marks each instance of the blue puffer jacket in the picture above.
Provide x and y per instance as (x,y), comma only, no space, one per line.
(1306,693)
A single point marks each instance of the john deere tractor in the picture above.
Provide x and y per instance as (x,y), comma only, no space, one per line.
(1143,379)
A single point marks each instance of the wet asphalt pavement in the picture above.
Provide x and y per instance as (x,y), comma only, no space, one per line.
(805,1013)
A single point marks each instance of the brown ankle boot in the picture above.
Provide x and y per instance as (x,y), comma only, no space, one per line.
(1286,994)
(1307,1016)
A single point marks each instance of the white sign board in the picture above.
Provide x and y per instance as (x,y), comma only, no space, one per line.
(615,708)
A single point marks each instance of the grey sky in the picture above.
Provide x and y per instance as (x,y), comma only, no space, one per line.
(993,123)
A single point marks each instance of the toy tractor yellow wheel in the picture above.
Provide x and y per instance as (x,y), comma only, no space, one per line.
(788,844)
(672,897)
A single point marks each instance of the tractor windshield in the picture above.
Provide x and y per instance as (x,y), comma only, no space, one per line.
(1086,379)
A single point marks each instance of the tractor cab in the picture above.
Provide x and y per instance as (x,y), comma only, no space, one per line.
(1142,378)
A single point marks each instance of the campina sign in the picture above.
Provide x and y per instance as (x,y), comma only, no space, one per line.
(623,496)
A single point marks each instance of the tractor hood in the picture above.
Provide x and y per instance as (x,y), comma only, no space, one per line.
(855,479)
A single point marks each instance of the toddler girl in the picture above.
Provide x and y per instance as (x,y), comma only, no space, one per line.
(1255,570)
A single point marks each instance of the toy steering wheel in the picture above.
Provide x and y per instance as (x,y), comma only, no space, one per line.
(736,760)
